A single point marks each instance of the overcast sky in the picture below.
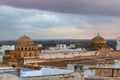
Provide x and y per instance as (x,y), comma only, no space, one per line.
(59,19)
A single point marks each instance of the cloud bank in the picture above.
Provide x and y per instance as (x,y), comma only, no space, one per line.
(88,7)
(41,24)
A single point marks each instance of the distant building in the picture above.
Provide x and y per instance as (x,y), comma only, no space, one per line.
(62,47)
(72,46)
(39,45)
(118,44)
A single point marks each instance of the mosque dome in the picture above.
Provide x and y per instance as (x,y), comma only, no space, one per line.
(24,40)
(98,40)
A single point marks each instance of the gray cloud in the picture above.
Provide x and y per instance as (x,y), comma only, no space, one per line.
(17,17)
(39,24)
(88,7)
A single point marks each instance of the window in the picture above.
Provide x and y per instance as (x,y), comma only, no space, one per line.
(75,67)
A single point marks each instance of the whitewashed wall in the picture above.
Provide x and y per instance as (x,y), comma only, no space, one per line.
(89,73)
(66,54)
(43,72)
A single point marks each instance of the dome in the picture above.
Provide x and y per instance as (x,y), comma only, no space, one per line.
(24,40)
(98,40)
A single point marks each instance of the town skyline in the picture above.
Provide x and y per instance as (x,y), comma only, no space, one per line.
(56,20)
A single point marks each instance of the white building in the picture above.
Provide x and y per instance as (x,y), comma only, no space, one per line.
(7,47)
(62,47)
(39,45)
(118,44)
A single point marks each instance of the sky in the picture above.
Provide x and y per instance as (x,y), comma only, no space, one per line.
(59,19)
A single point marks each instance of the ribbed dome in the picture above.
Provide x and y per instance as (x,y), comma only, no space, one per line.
(98,40)
(24,40)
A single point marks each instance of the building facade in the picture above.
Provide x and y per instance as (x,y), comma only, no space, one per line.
(25,50)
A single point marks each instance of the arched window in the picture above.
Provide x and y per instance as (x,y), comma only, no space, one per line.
(30,54)
(25,48)
(21,48)
(24,55)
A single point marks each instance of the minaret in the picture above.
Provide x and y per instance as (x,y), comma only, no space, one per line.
(24,34)
(98,34)
(118,44)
